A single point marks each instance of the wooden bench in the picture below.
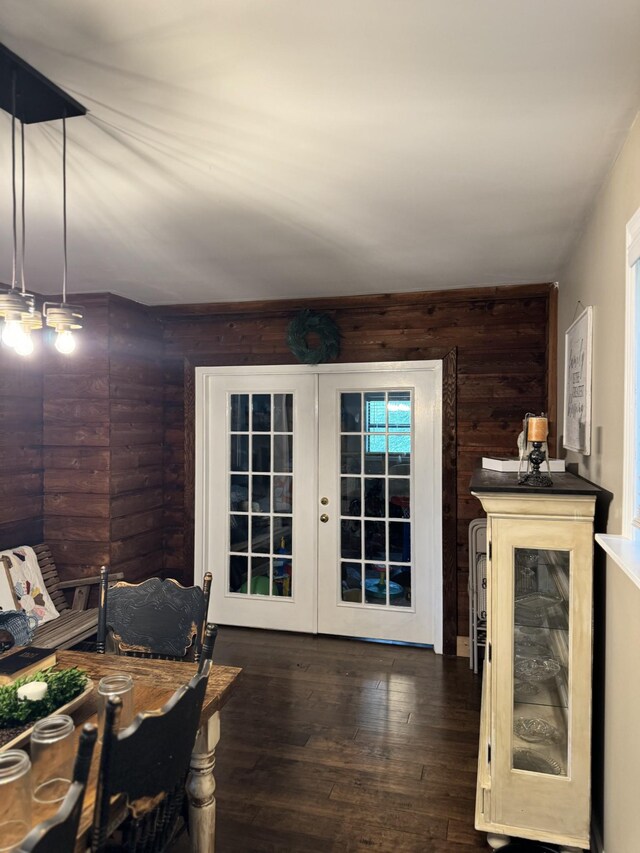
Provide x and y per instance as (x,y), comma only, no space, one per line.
(75,623)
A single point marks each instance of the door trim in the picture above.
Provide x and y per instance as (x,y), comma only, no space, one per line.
(449,477)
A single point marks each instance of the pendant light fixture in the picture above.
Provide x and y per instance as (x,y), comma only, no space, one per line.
(62,316)
(31,318)
(32,98)
(14,305)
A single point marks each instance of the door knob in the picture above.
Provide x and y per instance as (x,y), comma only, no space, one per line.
(324,518)
(324,501)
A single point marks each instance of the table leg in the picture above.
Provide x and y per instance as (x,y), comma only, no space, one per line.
(201,787)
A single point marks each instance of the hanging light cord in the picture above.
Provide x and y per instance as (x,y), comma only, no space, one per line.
(13,181)
(23,216)
(64,208)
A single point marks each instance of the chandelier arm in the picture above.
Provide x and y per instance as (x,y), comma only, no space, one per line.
(64,208)
(13,181)
(23,231)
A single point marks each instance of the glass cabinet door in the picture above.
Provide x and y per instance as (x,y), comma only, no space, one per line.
(541,614)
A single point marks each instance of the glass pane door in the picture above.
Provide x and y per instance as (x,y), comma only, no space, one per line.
(258,447)
(541,661)
(379,470)
(375,498)
(260,485)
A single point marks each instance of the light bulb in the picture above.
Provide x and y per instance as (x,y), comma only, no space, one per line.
(24,344)
(65,342)
(11,332)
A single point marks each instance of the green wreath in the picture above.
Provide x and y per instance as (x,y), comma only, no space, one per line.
(306,323)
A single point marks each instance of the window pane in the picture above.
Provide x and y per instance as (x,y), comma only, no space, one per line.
(351,582)
(283,412)
(400,586)
(399,498)
(261,534)
(282,494)
(350,495)
(283,453)
(238,532)
(375,412)
(376,583)
(260,576)
(374,502)
(350,454)
(282,533)
(375,540)
(260,493)
(261,412)
(399,411)
(351,538)
(636,507)
(400,541)
(351,412)
(239,495)
(375,454)
(238,568)
(239,455)
(261,455)
(239,412)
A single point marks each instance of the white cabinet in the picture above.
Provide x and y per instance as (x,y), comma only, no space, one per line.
(535,740)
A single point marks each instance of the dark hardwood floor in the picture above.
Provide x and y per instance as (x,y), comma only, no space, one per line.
(339,745)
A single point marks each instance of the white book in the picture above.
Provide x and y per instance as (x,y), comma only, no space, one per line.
(511,465)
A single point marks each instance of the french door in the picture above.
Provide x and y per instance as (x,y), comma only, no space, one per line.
(318,498)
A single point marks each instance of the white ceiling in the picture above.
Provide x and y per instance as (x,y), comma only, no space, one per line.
(240,149)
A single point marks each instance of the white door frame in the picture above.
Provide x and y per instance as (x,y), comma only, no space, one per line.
(203,468)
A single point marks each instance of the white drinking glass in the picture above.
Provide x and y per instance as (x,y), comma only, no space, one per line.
(53,752)
(15,798)
(112,686)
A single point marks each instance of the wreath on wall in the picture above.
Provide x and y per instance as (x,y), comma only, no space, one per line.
(309,322)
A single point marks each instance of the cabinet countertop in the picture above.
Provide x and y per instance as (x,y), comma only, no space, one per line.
(483,480)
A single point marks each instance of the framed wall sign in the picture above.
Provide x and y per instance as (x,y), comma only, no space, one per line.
(577,384)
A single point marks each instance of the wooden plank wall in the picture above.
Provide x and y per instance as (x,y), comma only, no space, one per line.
(501,337)
(136,415)
(20,449)
(102,442)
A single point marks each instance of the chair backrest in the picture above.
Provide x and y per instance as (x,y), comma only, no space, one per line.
(154,618)
(50,576)
(151,756)
(57,834)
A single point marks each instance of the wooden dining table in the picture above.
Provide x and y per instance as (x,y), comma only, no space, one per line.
(155,681)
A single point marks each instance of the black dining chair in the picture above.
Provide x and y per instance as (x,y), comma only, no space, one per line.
(57,834)
(156,618)
(148,763)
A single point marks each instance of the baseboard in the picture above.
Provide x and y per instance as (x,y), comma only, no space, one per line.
(462,648)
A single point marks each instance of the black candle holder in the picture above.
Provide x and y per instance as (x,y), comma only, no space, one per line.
(533,477)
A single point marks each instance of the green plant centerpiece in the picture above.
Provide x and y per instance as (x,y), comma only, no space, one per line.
(63,685)
(322,327)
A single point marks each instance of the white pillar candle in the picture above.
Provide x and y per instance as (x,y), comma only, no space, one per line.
(34,691)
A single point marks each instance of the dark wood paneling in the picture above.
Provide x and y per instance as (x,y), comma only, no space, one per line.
(136,436)
(500,336)
(103,440)
(21,486)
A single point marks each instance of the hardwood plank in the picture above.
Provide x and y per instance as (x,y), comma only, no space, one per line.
(295,772)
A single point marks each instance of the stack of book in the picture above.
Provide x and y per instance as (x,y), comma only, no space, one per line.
(511,464)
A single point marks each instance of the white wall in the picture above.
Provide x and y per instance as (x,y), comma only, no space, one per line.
(595,275)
